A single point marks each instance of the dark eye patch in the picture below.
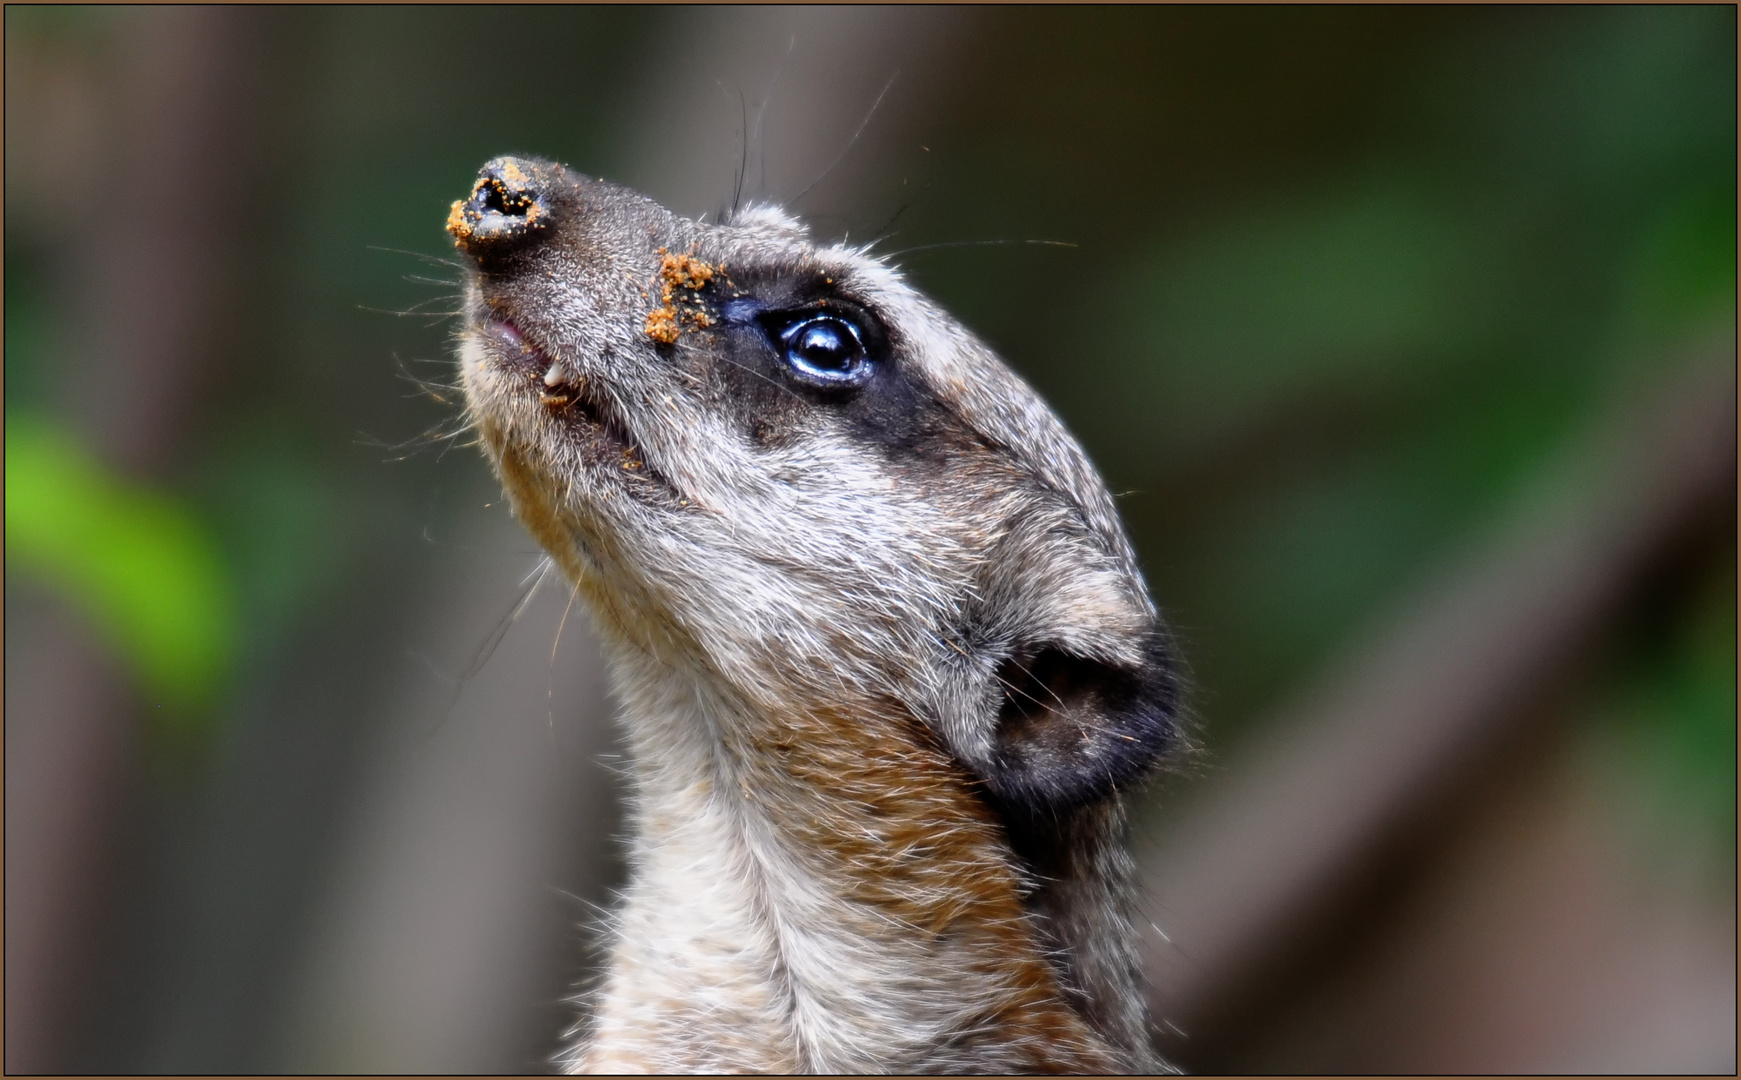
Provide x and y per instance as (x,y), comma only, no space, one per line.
(741,310)
(827,344)
(797,353)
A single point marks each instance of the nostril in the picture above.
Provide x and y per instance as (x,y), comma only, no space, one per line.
(492,199)
(504,206)
(495,197)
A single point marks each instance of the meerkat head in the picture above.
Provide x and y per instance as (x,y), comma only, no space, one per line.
(771,464)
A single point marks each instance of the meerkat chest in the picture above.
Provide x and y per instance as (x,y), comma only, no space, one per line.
(695,971)
(772,927)
(736,952)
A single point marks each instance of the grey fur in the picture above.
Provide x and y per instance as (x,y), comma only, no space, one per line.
(759,553)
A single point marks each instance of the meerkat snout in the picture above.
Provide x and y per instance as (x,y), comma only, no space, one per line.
(505,209)
(874,622)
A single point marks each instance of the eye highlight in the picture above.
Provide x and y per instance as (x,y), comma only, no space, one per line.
(825,350)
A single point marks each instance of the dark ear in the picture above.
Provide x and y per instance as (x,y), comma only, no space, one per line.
(1073,730)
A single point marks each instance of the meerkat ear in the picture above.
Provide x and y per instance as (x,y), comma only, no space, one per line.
(1072,730)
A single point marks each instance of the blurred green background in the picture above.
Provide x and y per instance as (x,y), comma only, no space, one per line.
(1342,286)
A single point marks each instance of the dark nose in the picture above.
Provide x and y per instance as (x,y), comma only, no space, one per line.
(506,209)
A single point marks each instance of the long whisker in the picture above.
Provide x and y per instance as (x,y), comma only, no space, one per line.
(550,682)
(453,263)
(978,243)
(417,310)
(528,588)
(749,370)
(850,142)
(737,190)
(762,112)
(886,230)
(418,279)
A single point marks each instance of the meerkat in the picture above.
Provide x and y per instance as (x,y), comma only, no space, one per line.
(886,664)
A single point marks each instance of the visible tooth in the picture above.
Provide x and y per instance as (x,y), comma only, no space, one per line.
(556,375)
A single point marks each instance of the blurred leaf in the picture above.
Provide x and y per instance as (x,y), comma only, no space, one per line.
(1679,708)
(1685,270)
(137,561)
(1369,287)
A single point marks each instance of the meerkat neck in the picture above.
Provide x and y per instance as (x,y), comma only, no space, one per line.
(800,904)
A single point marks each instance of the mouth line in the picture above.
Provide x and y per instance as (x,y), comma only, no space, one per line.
(569,399)
(516,350)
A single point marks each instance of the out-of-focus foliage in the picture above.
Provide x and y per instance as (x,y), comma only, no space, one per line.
(1319,378)
(1318,389)
(139,562)
(1671,712)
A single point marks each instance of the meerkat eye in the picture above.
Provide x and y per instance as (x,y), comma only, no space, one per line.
(825,350)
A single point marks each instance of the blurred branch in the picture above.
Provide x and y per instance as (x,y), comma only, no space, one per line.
(163,262)
(1261,861)
(153,252)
